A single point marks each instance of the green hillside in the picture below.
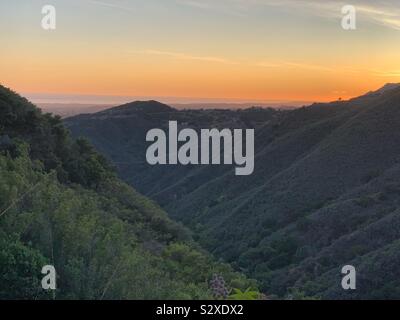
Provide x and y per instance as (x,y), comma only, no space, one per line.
(62,204)
(325,191)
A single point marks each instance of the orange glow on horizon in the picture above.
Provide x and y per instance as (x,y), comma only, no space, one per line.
(169,77)
(220,59)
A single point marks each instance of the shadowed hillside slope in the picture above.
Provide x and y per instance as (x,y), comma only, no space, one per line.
(324,193)
(62,204)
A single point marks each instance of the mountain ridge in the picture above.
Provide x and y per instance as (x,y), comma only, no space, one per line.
(61,204)
(318,188)
(150,106)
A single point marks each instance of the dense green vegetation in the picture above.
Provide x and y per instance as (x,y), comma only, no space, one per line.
(325,191)
(62,204)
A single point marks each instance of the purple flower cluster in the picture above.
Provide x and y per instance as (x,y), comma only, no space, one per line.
(218,287)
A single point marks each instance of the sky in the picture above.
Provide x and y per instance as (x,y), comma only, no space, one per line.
(192,50)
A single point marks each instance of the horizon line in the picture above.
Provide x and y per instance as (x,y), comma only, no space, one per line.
(87,99)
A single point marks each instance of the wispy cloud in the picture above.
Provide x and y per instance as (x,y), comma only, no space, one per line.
(228,7)
(385,13)
(195,4)
(380,73)
(185,56)
(391,22)
(269,65)
(263,64)
(113,5)
(309,66)
(295,65)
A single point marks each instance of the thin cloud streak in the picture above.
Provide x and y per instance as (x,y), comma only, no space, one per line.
(263,64)
(194,3)
(185,56)
(386,14)
(295,65)
(111,5)
(379,73)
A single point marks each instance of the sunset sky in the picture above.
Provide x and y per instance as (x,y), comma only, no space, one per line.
(227,50)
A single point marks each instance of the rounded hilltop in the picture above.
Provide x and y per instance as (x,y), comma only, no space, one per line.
(150,106)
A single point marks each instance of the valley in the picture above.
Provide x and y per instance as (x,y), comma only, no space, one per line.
(62,205)
(324,192)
